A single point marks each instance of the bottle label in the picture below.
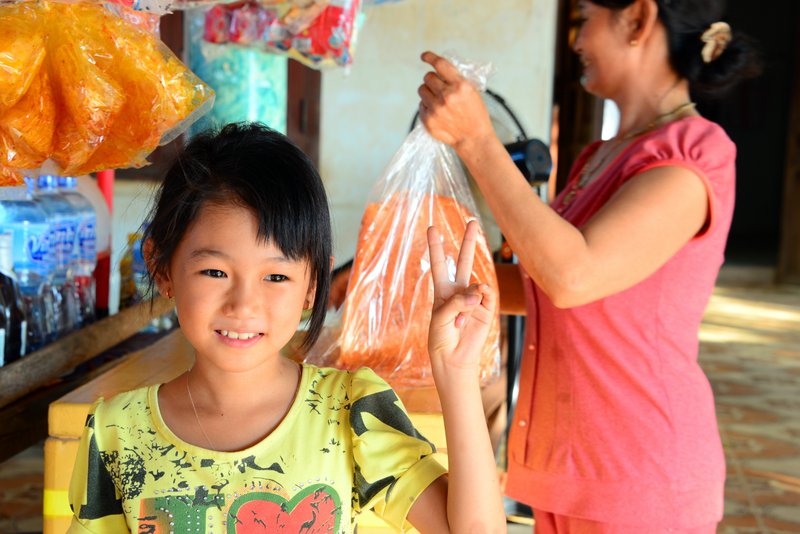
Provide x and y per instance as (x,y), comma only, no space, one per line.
(87,240)
(62,241)
(31,247)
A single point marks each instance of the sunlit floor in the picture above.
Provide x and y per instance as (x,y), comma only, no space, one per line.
(750,348)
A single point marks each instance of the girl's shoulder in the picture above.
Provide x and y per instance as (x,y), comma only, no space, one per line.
(131,406)
(359,382)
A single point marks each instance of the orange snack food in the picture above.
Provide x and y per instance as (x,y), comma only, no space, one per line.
(88,89)
(27,128)
(389,297)
(21,50)
(153,81)
(9,177)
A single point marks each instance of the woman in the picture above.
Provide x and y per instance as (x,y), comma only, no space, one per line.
(615,429)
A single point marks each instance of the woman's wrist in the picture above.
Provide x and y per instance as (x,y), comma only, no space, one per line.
(472,144)
(471,148)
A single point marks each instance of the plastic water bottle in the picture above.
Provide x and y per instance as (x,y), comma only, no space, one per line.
(25,220)
(13,339)
(85,246)
(63,221)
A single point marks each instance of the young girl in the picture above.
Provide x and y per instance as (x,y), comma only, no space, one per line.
(249,441)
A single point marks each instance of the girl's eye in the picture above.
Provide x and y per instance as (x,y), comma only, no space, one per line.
(213,273)
(276,278)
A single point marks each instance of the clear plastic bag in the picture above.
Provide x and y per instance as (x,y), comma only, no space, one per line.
(390,293)
(87,89)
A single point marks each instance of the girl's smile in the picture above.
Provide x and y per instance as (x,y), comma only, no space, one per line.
(239,339)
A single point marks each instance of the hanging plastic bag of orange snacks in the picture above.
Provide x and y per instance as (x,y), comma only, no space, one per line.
(87,89)
(390,292)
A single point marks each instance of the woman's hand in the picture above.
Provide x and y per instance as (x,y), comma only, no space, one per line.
(450,107)
(462,313)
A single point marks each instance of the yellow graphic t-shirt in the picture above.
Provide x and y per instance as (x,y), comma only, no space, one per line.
(345,445)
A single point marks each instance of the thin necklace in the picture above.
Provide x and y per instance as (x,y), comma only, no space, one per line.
(588,173)
(197,417)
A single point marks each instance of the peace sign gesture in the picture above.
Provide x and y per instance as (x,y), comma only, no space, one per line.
(462,313)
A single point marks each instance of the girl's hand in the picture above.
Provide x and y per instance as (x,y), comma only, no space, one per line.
(450,107)
(462,313)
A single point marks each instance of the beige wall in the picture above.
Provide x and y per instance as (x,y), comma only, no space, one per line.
(367,109)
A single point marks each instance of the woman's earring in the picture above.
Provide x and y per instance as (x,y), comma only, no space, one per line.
(168,293)
(634,43)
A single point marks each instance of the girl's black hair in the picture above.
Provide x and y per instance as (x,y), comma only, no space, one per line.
(685,21)
(253,166)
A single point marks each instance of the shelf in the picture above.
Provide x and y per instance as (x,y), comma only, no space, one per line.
(39,368)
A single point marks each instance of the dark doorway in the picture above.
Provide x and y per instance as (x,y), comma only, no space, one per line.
(756,117)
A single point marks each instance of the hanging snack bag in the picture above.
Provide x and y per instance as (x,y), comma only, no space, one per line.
(390,293)
(88,89)
(328,40)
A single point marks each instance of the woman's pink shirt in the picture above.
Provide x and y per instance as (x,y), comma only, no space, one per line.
(615,420)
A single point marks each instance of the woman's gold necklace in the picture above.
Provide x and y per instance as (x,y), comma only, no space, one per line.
(197,417)
(588,173)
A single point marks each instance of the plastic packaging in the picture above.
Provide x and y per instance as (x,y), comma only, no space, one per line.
(22,44)
(87,89)
(27,223)
(63,225)
(85,247)
(134,286)
(13,338)
(318,33)
(87,186)
(390,293)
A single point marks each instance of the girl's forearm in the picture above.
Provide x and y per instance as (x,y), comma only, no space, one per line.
(474,502)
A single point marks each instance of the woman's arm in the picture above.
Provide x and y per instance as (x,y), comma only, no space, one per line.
(469,500)
(649,219)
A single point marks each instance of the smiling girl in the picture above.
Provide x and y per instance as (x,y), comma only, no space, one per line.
(247,440)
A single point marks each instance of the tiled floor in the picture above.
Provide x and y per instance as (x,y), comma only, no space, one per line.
(750,348)
(21,485)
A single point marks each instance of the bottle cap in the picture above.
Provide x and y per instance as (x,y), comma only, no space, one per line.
(47,181)
(67,182)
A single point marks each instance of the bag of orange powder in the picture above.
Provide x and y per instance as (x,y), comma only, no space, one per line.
(387,308)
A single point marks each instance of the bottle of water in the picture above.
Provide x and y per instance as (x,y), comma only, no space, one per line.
(63,227)
(85,247)
(14,337)
(27,223)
